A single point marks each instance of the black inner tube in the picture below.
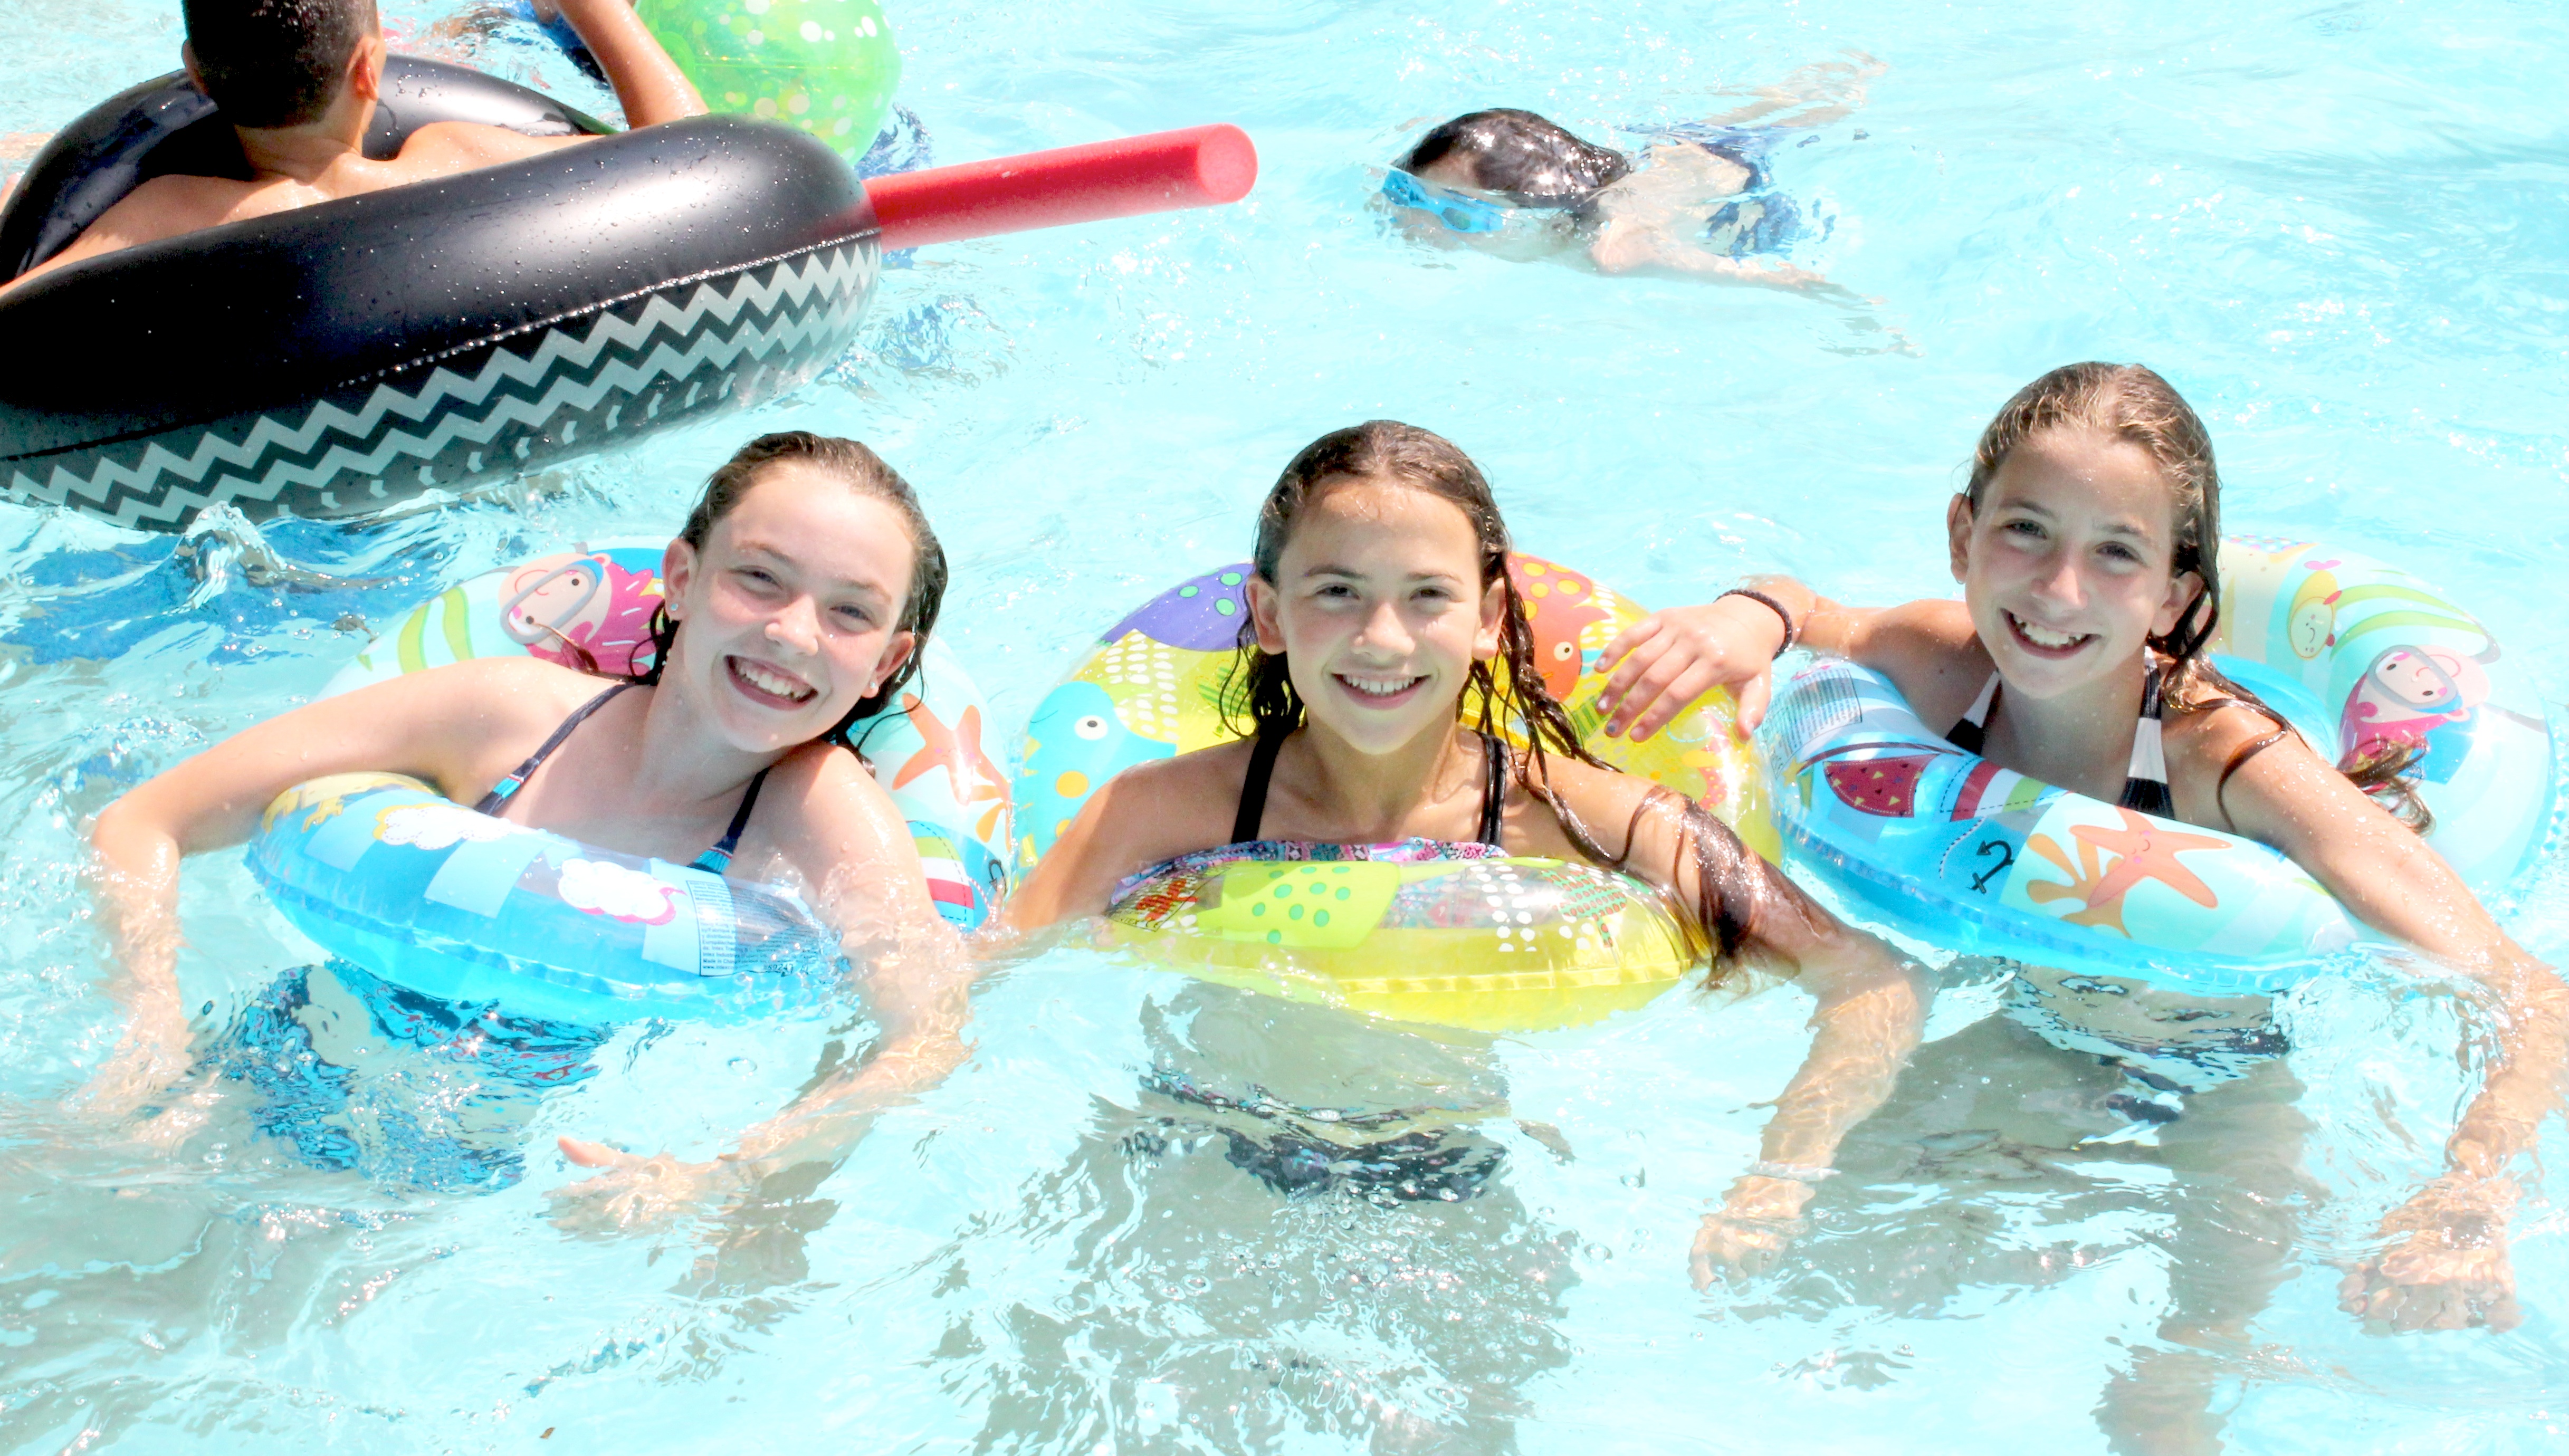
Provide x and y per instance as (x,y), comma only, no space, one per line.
(343,357)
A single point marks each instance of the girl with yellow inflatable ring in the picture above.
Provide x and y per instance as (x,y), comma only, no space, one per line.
(798,597)
(1380,614)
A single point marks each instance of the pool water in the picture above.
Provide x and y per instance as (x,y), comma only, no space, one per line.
(2337,227)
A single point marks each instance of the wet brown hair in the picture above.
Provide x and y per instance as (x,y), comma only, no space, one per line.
(1531,158)
(2133,404)
(862,470)
(1259,700)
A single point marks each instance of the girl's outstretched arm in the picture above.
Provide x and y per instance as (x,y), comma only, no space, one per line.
(1872,1000)
(1809,96)
(2446,1266)
(1666,661)
(1872,1005)
(432,725)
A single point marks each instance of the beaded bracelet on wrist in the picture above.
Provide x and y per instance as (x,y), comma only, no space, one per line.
(1791,631)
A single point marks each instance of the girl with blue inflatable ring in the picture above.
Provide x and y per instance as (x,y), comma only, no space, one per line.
(799,595)
(2087,544)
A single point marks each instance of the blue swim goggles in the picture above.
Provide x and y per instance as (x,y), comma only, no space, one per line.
(1459,213)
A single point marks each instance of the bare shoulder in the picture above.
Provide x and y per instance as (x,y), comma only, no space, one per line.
(1165,808)
(1697,172)
(1147,814)
(2202,743)
(1930,625)
(1177,800)
(442,148)
(1932,653)
(830,781)
(1606,802)
(487,697)
(167,206)
(2214,731)
(506,677)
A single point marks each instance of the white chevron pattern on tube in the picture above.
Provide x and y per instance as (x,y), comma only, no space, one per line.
(558,365)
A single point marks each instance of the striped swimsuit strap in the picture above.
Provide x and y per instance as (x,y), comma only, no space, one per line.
(2145,786)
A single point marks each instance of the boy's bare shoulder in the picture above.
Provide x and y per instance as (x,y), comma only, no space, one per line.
(442,149)
(169,206)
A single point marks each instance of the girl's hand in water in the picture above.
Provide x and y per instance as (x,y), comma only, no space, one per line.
(149,1058)
(1670,658)
(1748,1236)
(636,1194)
(2446,1264)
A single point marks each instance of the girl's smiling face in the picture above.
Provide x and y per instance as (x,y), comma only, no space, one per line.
(2068,563)
(1379,610)
(791,608)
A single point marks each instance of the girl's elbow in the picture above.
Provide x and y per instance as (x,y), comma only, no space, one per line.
(116,826)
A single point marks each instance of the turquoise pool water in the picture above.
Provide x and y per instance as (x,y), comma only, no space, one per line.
(2336,227)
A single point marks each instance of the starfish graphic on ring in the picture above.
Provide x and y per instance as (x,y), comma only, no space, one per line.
(958,750)
(2144,850)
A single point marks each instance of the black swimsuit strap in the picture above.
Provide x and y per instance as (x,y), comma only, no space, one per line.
(492,802)
(1252,790)
(1261,769)
(718,859)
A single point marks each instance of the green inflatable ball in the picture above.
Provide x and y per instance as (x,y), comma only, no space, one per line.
(826,66)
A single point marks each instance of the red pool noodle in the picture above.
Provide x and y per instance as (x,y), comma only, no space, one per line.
(1165,171)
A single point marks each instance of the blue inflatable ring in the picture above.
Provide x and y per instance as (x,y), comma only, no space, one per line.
(1949,847)
(384,870)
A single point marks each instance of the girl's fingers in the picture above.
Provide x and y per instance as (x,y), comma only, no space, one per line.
(1628,639)
(1642,651)
(596,1155)
(1698,679)
(1662,692)
(1753,697)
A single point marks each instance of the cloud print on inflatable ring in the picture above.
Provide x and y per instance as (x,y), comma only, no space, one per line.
(600,889)
(438,826)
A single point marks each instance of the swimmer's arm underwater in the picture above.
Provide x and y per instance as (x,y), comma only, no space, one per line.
(2447,1264)
(1639,245)
(1810,96)
(1872,1001)
(429,725)
(846,837)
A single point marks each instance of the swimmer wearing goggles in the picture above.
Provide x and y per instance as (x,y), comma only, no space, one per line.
(1457,212)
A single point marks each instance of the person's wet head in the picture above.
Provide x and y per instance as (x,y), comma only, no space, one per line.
(806,582)
(1516,155)
(1382,604)
(1501,179)
(273,64)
